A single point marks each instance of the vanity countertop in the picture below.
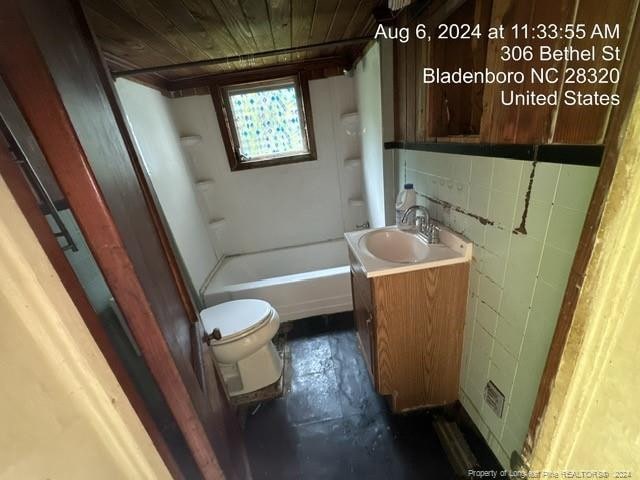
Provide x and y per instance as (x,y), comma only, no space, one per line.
(452,249)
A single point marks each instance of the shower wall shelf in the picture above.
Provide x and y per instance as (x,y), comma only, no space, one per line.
(190,140)
(351,123)
(217,223)
(352,162)
(356,202)
(204,185)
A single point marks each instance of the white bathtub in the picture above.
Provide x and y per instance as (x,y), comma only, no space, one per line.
(298,281)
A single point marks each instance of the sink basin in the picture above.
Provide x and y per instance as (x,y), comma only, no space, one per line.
(395,246)
(388,250)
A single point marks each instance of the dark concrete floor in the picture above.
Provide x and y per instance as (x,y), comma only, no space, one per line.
(332,425)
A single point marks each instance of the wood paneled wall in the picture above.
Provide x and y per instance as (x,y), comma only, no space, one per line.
(474,113)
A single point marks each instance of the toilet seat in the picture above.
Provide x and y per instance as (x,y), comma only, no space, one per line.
(236,319)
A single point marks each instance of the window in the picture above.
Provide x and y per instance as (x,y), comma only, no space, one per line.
(266,122)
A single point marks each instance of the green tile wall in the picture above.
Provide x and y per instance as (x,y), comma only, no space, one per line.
(517,280)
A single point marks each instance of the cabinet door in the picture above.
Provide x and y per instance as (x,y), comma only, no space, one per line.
(362,313)
(363,320)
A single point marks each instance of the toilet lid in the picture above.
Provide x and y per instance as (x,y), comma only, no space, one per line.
(236,317)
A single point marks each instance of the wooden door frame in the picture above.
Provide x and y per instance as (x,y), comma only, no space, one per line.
(627,88)
(28,77)
(224,414)
(178,270)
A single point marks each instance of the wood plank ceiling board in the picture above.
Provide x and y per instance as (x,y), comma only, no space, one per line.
(121,44)
(131,27)
(236,23)
(323,17)
(302,12)
(257,15)
(221,18)
(124,37)
(184,21)
(341,18)
(362,20)
(279,12)
(280,18)
(151,17)
(136,34)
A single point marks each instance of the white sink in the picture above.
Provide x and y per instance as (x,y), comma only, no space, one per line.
(387,250)
(395,246)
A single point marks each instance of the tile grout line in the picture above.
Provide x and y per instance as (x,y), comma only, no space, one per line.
(555,191)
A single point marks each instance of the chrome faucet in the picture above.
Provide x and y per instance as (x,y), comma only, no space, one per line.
(421,222)
(423,225)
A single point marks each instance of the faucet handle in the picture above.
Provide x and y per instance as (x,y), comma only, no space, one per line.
(433,233)
(422,224)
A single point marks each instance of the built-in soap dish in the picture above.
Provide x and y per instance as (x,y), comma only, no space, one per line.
(351,123)
(356,202)
(190,140)
(204,185)
(217,223)
(352,162)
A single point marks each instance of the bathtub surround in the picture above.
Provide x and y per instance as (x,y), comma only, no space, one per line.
(273,233)
(285,205)
(376,166)
(157,140)
(524,219)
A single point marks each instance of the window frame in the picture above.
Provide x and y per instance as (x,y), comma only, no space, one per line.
(221,93)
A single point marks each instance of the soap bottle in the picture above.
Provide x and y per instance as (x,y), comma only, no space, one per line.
(406,198)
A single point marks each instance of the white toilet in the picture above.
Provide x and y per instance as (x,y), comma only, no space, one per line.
(245,353)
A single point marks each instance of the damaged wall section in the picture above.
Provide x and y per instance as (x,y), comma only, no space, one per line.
(524,219)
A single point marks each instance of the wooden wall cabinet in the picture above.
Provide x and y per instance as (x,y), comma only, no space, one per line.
(475,112)
(409,327)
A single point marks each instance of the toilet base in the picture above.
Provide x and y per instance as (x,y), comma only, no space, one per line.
(257,371)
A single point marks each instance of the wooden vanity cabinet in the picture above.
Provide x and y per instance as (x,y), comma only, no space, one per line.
(409,327)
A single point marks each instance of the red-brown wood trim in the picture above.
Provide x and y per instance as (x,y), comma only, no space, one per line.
(28,78)
(159,221)
(27,203)
(628,88)
(314,68)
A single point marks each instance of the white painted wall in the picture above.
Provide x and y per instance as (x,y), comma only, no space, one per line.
(386,74)
(282,205)
(388,129)
(59,394)
(157,140)
(374,92)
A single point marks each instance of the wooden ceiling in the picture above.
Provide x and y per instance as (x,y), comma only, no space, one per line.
(135,34)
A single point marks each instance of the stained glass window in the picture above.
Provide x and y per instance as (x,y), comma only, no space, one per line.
(267,121)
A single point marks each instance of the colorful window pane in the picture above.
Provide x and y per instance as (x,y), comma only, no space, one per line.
(267,122)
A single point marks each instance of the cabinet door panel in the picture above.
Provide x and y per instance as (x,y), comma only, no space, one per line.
(363,320)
